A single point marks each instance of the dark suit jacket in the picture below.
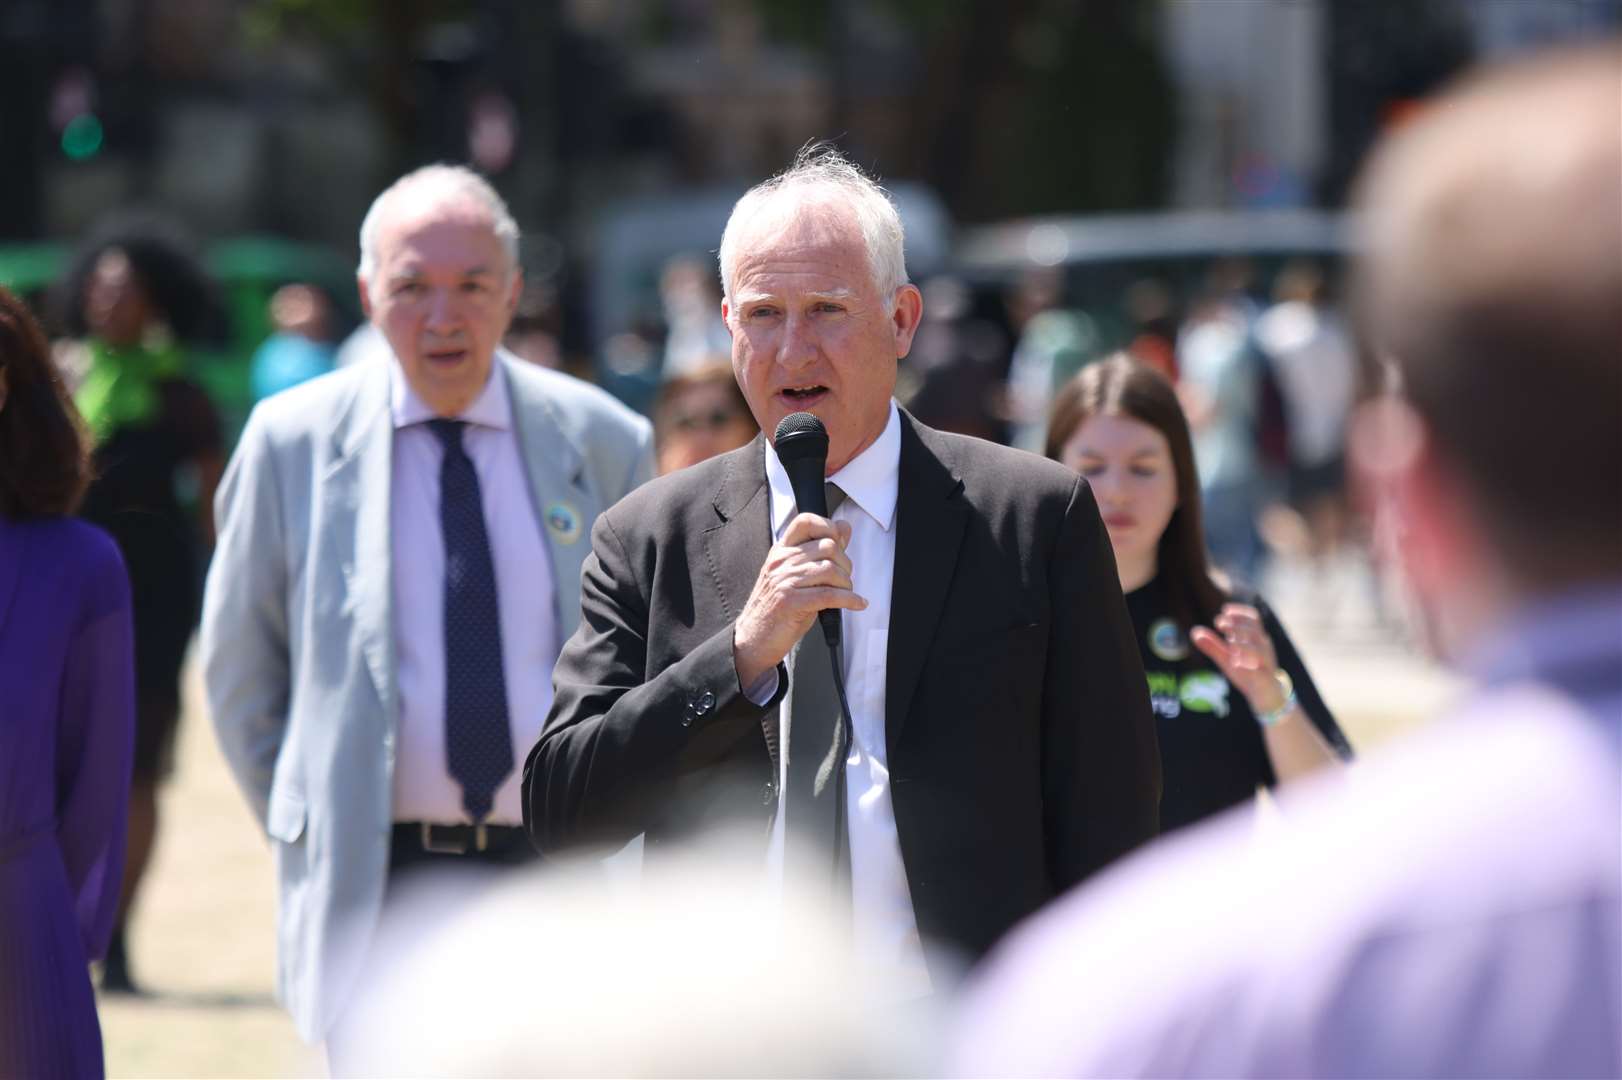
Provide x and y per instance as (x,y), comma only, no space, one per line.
(1021,745)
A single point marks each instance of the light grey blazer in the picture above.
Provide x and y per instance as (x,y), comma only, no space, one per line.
(297,639)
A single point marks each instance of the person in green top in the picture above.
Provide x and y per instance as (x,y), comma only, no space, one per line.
(132,300)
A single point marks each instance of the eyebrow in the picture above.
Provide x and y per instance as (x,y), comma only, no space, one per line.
(823,294)
(1133,456)
(416,271)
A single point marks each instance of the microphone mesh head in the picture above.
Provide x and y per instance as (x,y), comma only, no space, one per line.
(800,435)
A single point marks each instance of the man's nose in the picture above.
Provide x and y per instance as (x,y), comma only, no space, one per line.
(443,316)
(798,346)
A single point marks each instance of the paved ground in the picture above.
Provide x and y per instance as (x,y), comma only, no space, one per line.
(203,939)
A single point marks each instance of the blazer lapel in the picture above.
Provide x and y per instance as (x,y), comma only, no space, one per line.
(736,548)
(361,480)
(564,503)
(930,518)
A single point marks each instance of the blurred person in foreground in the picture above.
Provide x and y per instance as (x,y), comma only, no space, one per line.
(399,562)
(699,414)
(1000,746)
(300,346)
(691,974)
(1454,908)
(1235,707)
(137,299)
(67,720)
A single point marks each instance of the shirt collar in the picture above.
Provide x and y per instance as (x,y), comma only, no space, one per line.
(489,409)
(870,479)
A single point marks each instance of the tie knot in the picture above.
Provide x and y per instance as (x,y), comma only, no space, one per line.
(835,495)
(448,431)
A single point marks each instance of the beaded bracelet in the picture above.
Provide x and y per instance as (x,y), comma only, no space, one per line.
(1268,719)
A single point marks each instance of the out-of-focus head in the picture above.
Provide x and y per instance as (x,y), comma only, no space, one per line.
(1118,422)
(699,414)
(817,301)
(695,969)
(116,306)
(44,451)
(439,278)
(1300,280)
(136,273)
(1488,304)
(303,310)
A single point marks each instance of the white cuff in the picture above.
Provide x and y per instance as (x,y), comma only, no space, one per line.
(764,688)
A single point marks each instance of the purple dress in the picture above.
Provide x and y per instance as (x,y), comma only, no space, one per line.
(66,734)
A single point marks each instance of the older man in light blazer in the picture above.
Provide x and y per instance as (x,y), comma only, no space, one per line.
(398,565)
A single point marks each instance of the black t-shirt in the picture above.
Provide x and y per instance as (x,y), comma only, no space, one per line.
(1211,749)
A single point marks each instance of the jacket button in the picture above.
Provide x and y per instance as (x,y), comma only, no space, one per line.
(767,794)
(704,703)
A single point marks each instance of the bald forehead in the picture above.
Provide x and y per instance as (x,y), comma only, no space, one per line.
(414,207)
(789,222)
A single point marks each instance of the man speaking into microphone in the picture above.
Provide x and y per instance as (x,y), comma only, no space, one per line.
(978,739)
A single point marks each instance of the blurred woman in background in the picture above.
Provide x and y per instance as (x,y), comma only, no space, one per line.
(67,714)
(135,298)
(1235,708)
(698,414)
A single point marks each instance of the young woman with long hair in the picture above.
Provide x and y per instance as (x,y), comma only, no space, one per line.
(1234,705)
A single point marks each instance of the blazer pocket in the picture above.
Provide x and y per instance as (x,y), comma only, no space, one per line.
(285,819)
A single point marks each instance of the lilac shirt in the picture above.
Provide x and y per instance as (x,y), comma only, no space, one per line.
(423,787)
(1453,907)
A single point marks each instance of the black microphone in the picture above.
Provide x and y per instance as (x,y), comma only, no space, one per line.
(801,443)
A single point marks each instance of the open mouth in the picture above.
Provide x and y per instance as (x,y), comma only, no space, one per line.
(446,357)
(802,396)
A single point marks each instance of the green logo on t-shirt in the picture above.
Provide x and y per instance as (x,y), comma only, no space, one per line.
(1205,691)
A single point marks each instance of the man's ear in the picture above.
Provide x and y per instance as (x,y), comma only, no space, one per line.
(726,316)
(515,292)
(909,311)
(365,291)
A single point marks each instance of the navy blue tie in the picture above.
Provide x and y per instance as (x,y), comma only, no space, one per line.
(478,744)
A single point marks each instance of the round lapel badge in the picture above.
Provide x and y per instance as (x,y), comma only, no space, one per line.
(1166,640)
(563,521)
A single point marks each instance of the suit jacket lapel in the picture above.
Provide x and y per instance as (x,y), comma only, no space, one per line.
(736,548)
(930,518)
(360,482)
(563,501)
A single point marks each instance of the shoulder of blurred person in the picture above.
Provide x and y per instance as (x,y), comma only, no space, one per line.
(1384,925)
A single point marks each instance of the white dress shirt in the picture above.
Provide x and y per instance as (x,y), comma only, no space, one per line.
(424,789)
(884,928)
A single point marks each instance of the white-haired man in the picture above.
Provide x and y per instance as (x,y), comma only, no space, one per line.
(1000,745)
(398,564)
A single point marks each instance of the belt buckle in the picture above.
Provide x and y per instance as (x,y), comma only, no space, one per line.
(441,847)
(481,839)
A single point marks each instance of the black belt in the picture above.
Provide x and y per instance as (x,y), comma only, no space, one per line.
(502,843)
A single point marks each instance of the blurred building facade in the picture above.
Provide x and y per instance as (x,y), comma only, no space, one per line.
(285,116)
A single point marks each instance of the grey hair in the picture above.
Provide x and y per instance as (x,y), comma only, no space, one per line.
(821,174)
(451,180)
